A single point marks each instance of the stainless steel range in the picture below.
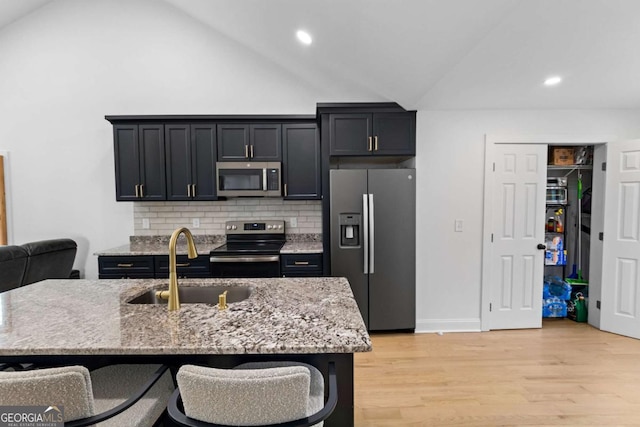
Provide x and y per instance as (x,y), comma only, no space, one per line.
(252,250)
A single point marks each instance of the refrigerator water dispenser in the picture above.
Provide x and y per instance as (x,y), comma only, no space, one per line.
(350,230)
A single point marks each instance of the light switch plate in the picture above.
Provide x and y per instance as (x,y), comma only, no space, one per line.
(458,225)
(293,221)
(145,223)
(195,222)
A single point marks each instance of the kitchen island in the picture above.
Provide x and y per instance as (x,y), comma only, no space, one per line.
(91,322)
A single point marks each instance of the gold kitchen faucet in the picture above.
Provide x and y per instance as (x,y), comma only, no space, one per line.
(174,299)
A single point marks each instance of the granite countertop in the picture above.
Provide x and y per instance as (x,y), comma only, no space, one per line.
(162,248)
(302,248)
(155,248)
(92,317)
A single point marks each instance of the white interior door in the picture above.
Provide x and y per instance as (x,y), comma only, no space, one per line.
(518,209)
(620,299)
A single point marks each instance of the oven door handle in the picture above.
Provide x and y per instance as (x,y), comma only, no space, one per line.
(257,258)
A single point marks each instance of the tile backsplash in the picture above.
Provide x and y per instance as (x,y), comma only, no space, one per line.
(164,217)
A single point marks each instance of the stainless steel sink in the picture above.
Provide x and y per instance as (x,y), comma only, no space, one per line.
(197,294)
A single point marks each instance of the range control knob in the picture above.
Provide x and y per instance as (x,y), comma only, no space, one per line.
(228,227)
(233,227)
(279,226)
(269,227)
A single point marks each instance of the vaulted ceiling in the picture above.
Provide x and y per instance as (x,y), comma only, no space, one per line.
(438,54)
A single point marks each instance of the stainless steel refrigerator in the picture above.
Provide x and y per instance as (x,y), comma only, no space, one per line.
(373,242)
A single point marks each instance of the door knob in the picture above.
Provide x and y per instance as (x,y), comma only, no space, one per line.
(541,246)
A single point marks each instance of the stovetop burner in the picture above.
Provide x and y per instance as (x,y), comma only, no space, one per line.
(262,238)
(267,248)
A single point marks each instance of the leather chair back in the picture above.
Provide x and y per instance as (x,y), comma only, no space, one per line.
(49,259)
(13,264)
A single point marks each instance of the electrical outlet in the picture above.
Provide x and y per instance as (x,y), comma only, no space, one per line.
(145,223)
(195,222)
(294,222)
(458,225)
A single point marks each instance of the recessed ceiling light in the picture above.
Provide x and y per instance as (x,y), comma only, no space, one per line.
(552,81)
(304,37)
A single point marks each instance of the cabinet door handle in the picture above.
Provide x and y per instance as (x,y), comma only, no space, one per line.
(125,265)
(185,264)
(137,191)
(301,263)
(285,190)
(246,151)
(193,190)
(375,143)
(370,145)
(251,150)
(141,190)
(188,190)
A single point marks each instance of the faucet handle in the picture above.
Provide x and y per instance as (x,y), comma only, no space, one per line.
(222,301)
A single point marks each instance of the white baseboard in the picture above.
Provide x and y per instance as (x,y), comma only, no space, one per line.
(447,325)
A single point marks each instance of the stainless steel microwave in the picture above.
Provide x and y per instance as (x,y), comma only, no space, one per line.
(253,179)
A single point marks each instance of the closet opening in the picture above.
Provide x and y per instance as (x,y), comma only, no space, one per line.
(568,232)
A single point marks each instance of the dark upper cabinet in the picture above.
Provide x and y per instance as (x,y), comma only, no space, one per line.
(174,157)
(191,161)
(204,156)
(350,134)
(256,142)
(139,162)
(301,161)
(372,134)
(394,134)
(266,142)
(233,142)
(127,161)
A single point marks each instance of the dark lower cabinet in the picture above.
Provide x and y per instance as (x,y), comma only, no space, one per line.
(301,162)
(185,267)
(301,265)
(157,266)
(151,266)
(126,267)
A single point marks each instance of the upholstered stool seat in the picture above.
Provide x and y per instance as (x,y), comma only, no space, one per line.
(114,384)
(91,398)
(316,386)
(255,394)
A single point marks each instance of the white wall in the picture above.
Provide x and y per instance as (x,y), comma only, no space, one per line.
(70,63)
(450,177)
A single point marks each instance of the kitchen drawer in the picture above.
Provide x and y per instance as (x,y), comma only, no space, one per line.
(128,267)
(197,267)
(301,265)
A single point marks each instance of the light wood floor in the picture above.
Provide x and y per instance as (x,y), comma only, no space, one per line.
(566,373)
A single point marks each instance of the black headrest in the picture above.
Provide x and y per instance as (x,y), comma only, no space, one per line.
(8,253)
(46,246)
